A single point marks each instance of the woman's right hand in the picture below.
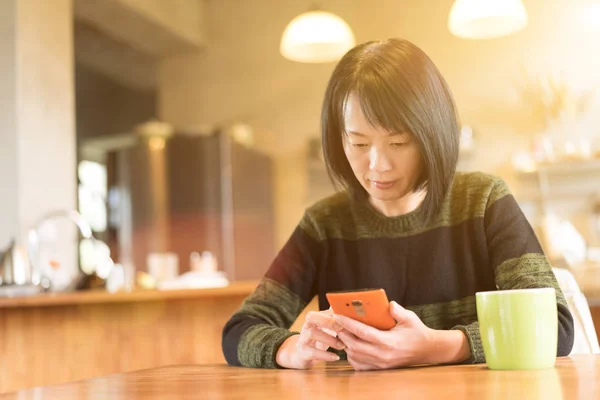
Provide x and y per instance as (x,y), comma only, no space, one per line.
(318,333)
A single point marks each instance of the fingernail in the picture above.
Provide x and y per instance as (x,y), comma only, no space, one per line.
(341,346)
(336,325)
(335,357)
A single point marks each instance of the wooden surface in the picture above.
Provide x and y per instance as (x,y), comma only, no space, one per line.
(595,312)
(97,335)
(101,296)
(577,377)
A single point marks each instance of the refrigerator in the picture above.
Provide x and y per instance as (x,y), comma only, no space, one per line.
(188,194)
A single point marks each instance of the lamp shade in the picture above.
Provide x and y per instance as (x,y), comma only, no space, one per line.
(485,19)
(316,37)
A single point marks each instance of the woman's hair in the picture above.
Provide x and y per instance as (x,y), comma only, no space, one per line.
(400,90)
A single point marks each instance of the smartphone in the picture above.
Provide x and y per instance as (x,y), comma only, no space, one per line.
(369,306)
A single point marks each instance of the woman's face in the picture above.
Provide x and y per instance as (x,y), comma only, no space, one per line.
(387,164)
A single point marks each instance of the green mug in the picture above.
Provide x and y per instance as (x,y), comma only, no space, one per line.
(519,328)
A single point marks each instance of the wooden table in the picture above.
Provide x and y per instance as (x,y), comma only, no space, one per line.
(576,377)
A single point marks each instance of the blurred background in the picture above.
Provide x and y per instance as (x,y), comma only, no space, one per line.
(174,144)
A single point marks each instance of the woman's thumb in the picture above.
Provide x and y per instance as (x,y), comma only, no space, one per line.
(399,313)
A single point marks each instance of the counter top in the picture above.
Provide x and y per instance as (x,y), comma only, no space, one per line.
(240,288)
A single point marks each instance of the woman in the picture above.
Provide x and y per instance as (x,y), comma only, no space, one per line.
(403,221)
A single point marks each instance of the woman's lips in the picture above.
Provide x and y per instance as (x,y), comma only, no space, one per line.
(383,184)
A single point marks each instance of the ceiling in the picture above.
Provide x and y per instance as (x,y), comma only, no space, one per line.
(118,60)
(125,39)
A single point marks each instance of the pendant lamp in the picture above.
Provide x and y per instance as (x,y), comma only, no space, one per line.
(316,37)
(486,19)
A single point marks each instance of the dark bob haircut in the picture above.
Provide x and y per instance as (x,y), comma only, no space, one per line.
(400,90)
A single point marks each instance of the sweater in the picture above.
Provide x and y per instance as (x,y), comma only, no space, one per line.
(479,241)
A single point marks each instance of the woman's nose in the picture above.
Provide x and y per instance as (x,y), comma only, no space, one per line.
(378,160)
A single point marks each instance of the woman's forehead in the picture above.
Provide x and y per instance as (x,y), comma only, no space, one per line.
(357,123)
(353,113)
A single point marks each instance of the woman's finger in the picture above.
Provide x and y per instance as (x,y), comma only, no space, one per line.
(366,359)
(311,353)
(322,320)
(360,366)
(318,335)
(361,330)
(329,332)
(355,344)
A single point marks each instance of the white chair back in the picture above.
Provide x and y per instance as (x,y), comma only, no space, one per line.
(586,340)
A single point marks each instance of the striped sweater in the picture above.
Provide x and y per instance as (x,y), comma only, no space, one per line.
(479,241)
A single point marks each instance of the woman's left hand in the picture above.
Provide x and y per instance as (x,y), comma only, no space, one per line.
(409,342)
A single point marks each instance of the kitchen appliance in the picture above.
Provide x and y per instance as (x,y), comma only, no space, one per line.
(15,268)
(51,259)
(189,193)
(16,273)
(54,248)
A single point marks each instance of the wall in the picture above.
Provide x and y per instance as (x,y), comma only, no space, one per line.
(37,120)
(105,107)
(114,58)
(183,17)
(9,218)
(291,180)
(241,76)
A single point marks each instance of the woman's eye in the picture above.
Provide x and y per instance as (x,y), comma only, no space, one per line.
(398,144)
(360,145)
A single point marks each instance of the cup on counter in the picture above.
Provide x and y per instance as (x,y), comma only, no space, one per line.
(116,279)
(204,262)
(163,266)
(519,328)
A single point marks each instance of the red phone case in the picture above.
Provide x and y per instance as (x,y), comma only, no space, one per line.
(369,306)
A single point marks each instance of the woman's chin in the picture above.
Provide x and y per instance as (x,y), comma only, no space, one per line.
(382,195)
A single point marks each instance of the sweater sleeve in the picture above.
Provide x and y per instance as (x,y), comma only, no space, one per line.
(518,262)
(253,335)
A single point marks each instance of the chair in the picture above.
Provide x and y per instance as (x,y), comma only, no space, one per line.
(586,340)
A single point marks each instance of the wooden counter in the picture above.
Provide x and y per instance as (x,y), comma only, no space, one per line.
(56,338)
(104,297)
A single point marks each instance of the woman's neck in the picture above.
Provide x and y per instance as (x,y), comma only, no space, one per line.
(401,206)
